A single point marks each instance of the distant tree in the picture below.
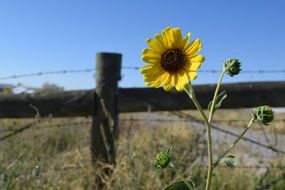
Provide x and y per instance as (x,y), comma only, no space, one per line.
(49,87)
(6,91)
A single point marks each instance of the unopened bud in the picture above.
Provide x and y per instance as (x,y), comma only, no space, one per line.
(232,66)
(162,159)
(263,114)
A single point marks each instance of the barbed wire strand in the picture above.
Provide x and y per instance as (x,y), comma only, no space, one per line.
(214,127)
(47,73)
(223,131)
(199,121)
(76,167)
(187,120)
(25,127)
(156,120)
(69,71)
(11,129)
(40,119)
(177,113)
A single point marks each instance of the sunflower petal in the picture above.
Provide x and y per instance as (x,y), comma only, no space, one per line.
(169,83)
(154,45)
(150,60)
(185,40)
(179,86)
(147,52)
(193,48)
(194,66)
(166,36)
(156,75)
(159,40)
(193,75)
(150,68)
(164,77)
(151,78)
(198,58)
(157,83)
(177,38)
(182,81)
(149,56)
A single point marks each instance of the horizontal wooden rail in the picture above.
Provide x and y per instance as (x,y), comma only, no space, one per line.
(81,103)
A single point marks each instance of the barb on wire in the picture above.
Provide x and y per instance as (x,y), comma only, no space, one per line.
(124,67)
(47,73)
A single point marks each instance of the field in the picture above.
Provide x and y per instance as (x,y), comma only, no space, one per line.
(54,154)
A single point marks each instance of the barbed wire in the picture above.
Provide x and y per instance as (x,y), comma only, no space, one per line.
(218,129)
(11,129)
(183,117)
(69,71)
(39,119)
(250,167)
(194,119)
(47,73)
(189,120)
(40,172)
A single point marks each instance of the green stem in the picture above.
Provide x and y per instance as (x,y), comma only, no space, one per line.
(210,167)
(215,97)
(207,121)
(234,143)
(192,96)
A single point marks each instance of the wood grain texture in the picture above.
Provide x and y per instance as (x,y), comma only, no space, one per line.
(81,103)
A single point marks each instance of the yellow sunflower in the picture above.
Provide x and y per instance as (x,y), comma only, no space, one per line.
(172,61)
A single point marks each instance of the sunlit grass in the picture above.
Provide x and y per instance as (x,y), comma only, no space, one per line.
(48,156)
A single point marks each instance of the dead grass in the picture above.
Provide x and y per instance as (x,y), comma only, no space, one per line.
(46,157)
(239,118)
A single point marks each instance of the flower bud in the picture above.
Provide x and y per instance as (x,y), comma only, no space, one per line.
(263,114)
(232,66)
(162,159)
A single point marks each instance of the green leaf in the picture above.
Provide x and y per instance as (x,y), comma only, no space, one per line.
(229,161)
(219,100)
(180,185)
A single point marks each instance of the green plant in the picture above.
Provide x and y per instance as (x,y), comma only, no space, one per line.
(172,62)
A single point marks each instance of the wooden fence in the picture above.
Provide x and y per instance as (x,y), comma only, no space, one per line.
(106,101)
(82,103)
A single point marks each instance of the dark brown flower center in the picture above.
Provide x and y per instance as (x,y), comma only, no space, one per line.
(172,60)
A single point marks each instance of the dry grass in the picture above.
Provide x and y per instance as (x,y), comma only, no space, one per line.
(47,157)
(240,118)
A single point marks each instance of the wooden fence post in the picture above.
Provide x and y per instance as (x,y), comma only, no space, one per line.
(105,120)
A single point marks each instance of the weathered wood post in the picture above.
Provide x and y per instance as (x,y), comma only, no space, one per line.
(105,120)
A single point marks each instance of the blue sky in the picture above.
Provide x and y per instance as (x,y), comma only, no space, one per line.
(49,35)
